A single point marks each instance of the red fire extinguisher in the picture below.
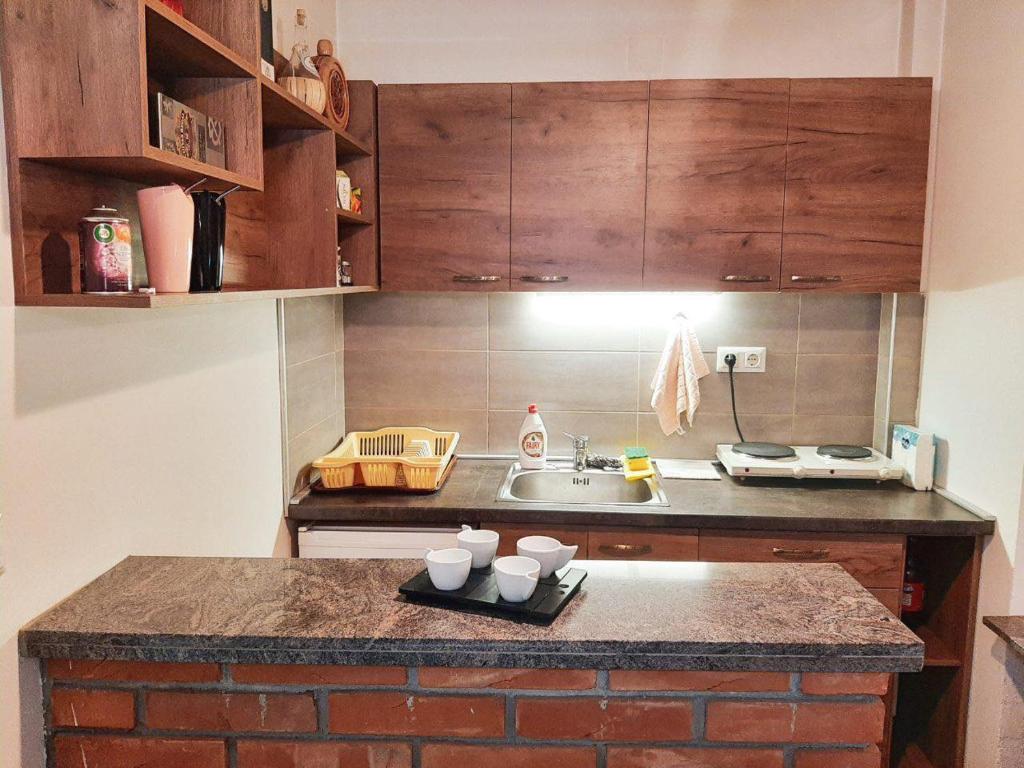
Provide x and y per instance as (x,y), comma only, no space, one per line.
(913,590)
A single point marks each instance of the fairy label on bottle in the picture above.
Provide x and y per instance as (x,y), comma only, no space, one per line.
(533,444)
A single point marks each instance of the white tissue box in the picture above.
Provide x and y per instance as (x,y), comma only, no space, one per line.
(914,450)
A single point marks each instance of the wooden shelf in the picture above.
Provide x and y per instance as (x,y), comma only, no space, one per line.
(156,301)
(937,652)
(282,110)
(176,47)
(347,217)
(154,167)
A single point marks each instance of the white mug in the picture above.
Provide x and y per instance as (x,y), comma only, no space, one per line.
(517,577)
(448,568)
(549,552)
(483,544)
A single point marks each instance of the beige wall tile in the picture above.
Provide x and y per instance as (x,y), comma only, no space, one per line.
(339,323)
(563,381)
(609,433)
(842,385)
(521,321)
(818,430)
(339,378)
(708,431)
(766,393)
(906,373)
(415,378)
(909,324)
(308,328)
(396,321)
(739,319)
(839,323)
(310,445)
(312,396)
(471,425)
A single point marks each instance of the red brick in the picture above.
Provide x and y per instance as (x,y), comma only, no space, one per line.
(839,684)
(399,714)
(78,708)
(132,671)
(317,674)
(124,751)
(629,680)
(521,679)
(749,721)
(827,722)
(605,719)
(311,754)
(839,758)
(235,712)
(783,722)
(493,756)
(627,757)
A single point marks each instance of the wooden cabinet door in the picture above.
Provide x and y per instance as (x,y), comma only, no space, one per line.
(716,177)
(579,151)
(615,544)
(856,175)
(510,533)
(444,187)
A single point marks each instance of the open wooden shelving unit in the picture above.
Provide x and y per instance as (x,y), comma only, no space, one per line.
(83,140)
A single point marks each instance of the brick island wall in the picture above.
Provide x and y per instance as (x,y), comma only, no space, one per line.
(106,714)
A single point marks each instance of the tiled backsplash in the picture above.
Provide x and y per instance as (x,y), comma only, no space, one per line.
(473,362)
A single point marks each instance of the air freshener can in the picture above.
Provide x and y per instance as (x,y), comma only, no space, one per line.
(105,241)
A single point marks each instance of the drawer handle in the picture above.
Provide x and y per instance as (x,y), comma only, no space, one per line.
(746,278)
(476,278)
(625,550)
(816,278)
(800,554)
(545,278)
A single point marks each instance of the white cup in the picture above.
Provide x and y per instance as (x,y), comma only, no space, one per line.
(549,552)
(517,577)
(448,568)
(483,544)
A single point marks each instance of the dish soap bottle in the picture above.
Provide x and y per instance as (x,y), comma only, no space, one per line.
(533,441)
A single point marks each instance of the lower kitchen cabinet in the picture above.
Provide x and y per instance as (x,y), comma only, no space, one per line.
(512,533)
(641,545)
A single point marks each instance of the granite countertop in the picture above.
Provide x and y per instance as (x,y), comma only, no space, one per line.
(1010,628)
(470,496)
(725,616)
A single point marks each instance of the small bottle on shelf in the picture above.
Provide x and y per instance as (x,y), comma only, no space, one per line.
(912,600)
(300,76)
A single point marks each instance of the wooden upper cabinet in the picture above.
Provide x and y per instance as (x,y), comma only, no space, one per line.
(579,152)
(716,176)
(855,184)
(444,186)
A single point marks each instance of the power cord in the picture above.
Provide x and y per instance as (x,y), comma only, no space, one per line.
(730,360)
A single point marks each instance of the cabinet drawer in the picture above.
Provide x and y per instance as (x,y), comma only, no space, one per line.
(510,534)
(642,545)
(875,561)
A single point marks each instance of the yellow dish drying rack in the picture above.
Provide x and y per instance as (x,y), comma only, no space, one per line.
(400,457)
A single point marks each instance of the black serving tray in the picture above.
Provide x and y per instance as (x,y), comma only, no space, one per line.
(480,595)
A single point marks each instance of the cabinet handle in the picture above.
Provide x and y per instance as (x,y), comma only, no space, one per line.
(476,278)
(800,554)
(625,550)
(746,278)
(816,278)
(545,278)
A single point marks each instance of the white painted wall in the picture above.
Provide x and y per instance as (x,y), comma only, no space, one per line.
(974,330)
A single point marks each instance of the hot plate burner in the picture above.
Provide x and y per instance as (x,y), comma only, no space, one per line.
(764,450)
(844,452)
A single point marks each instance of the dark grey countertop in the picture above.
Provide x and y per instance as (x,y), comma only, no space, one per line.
(725,616)
(1010,628)
(470,496)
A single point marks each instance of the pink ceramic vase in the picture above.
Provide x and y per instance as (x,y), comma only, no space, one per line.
(167,215)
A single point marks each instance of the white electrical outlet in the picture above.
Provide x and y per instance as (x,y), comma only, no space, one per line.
(748,359)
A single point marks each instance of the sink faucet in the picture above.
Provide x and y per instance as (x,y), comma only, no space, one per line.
(580,450)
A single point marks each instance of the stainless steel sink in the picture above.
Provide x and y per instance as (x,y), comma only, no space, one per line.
(561,484)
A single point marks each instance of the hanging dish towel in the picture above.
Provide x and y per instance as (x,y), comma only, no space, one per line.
(675,388)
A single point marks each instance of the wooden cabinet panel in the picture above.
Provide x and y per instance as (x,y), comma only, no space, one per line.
(511,533)
(855,184)
(444,187)
(875,561)
(579,151)
(716,176)
(890,598)
(642,545)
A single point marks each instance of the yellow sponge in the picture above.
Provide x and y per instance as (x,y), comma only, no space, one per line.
(636,464)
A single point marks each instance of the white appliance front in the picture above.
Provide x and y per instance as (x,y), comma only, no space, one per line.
(372,543)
